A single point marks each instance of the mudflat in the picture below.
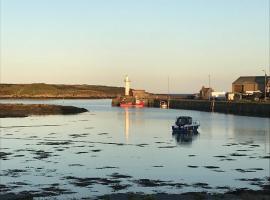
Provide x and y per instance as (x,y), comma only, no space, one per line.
(24,110)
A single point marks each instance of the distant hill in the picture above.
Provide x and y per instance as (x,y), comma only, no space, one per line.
(42,90)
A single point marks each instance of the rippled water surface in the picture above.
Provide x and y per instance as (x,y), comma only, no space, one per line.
(111,149)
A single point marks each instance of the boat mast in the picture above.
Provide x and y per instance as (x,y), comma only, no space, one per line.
(168,106)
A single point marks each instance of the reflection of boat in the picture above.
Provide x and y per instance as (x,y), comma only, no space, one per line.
(163,104)
(185,139)
(184,124)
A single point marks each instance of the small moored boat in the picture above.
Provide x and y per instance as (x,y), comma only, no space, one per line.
(185,124)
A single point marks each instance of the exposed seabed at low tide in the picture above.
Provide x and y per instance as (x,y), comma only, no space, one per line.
(113,150)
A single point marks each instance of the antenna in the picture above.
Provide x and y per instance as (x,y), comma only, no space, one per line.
(209,80)
(168,92)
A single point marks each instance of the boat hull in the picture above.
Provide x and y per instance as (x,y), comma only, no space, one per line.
(187,129)
(130,105)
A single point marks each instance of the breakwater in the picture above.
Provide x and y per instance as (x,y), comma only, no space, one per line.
(256,109)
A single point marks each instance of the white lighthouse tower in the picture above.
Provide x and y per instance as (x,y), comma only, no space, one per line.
(127,85)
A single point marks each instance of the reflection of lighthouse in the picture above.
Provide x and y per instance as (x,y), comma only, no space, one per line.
(126,124)
(127,85)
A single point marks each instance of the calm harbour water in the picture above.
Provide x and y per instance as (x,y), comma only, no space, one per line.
(134,142)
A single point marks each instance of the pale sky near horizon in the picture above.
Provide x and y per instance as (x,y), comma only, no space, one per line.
(100,41)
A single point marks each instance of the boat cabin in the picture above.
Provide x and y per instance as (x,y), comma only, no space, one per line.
(183,120)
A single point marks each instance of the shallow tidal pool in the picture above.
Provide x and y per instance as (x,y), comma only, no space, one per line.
(111,150)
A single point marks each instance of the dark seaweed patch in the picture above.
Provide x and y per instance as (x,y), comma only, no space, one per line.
(228,159)
(103,133)
(117,187)
(19,155)
(4,188)
(14,172)
(256,169)
(223,188)
(150,183)
(107,167)
(77,135)
(96,150)
(40,154)
(81,152)
(211,167)
(141,145)
(4,155)
(265,157)
(220,156)
(167,147)
(244,170)
(117,175)
(254,145)
(54,191)
(250,179)
(243,150)
(55,143)
(75,165)
(201,185)
(218,170)
(237,154)
(192,166)
(83,182)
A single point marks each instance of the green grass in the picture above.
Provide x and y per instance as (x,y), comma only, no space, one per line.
(43,90)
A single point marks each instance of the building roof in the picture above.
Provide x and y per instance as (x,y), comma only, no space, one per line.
(250,79)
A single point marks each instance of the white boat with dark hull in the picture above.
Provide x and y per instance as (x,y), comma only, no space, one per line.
(185,124)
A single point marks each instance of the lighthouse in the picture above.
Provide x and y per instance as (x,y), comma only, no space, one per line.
(127,85)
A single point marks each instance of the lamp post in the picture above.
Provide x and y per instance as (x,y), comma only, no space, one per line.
(265,84)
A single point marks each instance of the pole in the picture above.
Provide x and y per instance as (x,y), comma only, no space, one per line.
(168,106)
(265,85)
(209,82)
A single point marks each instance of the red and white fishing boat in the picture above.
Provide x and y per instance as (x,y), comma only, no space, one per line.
(138,104)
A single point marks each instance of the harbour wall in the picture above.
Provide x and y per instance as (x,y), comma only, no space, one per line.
(256,109)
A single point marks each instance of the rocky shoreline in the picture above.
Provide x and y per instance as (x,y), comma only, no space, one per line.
(25,110)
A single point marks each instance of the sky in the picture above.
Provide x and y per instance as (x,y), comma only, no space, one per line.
(100,41)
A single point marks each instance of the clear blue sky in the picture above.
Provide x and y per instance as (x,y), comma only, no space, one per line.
(99,41)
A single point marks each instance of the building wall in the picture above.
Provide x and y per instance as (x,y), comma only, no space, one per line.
(237,88)
(250,87)
(241,88)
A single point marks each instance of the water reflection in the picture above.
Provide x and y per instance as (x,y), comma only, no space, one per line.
(185,138)
(97,139)
(126,124)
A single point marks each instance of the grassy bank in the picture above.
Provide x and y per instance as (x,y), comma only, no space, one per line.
(21,110)
(41,90)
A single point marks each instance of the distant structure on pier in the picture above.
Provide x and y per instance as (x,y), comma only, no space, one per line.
(205,92)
